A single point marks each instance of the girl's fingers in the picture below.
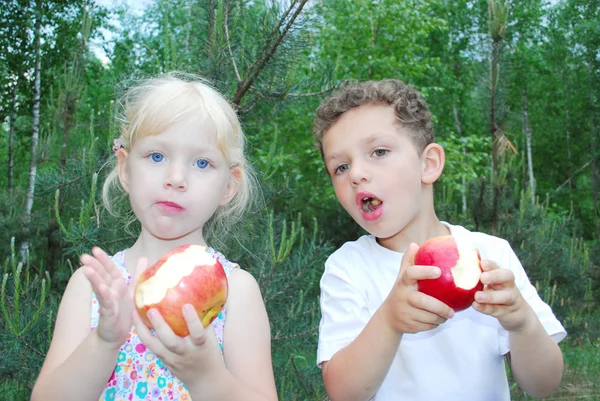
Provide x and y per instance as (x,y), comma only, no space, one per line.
(94,264)
(197,332)
(165,334)
(146,335)
(107,263)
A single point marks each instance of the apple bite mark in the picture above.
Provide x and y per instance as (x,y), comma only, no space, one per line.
(460,266)
(467,272)
(186,275)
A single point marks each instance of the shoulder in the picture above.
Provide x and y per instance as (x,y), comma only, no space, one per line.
(486,243)
(353,250)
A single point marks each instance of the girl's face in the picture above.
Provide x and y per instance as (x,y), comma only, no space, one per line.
(177,179)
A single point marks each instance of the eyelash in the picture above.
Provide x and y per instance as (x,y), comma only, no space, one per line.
(152,155)
(337,169)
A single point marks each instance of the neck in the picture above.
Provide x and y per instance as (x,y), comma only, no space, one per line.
(420,229)
(153,248)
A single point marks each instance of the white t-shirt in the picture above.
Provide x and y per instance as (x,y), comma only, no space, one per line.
(462,359)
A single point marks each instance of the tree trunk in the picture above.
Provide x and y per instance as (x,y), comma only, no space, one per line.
(528,135)
(493,132)
(11,136)
(34,131)
(593,146)
(464,152)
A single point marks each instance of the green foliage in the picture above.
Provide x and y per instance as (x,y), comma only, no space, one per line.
(28,310)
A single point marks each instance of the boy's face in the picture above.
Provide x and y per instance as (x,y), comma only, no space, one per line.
(375,169)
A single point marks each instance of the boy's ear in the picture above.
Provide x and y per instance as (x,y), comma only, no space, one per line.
(122,156)
(432,163)
(232,186)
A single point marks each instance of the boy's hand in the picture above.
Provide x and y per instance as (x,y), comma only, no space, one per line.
(406,310)
(500,297)
(111,291)
(189,358)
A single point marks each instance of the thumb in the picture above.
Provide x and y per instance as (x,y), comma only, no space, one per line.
(141,266)
(407,258)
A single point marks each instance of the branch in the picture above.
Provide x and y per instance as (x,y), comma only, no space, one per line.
(574,174)
(281,96)
(255,72)
(237,73)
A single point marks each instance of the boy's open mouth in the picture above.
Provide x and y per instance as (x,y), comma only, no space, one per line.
(370,204)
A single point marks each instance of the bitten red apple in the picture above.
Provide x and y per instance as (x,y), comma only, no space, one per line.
(460,264)
(186,275)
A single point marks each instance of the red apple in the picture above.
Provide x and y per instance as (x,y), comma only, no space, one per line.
(186,275)
(460,264)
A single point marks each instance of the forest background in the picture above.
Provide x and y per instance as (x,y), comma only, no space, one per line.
(513,87)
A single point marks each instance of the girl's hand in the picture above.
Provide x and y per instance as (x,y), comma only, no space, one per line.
(501,298)
(112,293)
(191,358)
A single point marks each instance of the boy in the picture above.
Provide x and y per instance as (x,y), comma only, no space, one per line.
(379,337)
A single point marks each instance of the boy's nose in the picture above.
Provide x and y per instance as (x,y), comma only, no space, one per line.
(359,173)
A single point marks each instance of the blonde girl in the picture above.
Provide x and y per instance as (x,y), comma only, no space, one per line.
(180,161)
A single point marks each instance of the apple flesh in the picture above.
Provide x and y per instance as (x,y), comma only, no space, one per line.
(460,264)
(186,275)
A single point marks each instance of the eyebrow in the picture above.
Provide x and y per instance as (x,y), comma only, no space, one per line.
(366,141)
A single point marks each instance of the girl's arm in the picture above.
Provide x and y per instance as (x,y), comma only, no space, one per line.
(246,345)
(78,363)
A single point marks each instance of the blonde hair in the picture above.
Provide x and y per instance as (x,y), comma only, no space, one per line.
(152,105)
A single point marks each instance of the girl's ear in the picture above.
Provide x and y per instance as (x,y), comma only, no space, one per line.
(432,163)
(122,156)
(232,186)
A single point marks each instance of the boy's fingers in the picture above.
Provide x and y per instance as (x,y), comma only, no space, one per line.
(415,273)
(431,305)
(407,258)
(497,277)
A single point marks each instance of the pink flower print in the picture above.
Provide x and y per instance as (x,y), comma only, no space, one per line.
(151,371)
(141,348)
(133,375)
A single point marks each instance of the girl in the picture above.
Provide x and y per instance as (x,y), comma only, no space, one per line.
(180,161)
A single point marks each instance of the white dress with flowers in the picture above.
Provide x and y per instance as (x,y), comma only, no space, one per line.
(139,374)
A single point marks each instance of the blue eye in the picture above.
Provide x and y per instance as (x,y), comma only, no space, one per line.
(157,157)
(202,164)
(380,152)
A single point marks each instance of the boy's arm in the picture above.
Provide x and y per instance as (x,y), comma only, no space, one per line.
(357,371)
(535,358)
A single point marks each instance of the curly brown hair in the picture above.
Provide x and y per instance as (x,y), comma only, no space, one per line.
(411,109)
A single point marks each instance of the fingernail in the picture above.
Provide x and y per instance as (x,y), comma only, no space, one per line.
(437,272)
(479,297)
(188,309)
(484,278)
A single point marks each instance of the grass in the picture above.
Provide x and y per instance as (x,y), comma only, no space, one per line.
(581,380)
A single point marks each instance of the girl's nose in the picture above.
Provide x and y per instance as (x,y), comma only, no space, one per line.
(176,178)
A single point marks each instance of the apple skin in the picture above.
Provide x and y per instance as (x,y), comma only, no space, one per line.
(186,275)
(444,253)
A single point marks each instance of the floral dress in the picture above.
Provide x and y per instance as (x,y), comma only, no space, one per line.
(139,373)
